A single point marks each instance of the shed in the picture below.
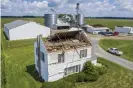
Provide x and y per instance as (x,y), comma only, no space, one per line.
(124,29)
(95,29)
(21,29)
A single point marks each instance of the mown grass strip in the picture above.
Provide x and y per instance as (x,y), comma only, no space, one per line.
(126,46)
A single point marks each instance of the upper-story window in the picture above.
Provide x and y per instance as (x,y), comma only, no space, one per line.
(83,53)
(36,51)
(42,57)
(61,58)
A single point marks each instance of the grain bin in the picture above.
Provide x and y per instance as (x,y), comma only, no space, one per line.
(80,19)
(50,20)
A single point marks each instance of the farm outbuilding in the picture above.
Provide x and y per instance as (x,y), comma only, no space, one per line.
(96,28)
(124,29)
(21,29)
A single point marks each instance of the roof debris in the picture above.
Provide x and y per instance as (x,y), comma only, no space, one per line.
(66,41)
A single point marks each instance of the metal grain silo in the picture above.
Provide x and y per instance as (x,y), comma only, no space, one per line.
(50,20)
(80,19)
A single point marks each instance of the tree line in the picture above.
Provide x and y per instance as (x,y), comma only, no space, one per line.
(85,17)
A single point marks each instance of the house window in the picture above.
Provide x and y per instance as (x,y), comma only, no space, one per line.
(42,57)
(36,51)
(38,63)
(61,58)
(72,69)
(83,53)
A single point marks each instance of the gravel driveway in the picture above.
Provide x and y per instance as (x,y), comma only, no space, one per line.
(101,53)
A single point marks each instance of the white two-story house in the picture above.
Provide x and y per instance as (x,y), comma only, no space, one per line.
(62,54)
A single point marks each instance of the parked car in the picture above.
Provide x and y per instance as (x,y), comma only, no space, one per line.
(115,51)
(106,33)
(109,34)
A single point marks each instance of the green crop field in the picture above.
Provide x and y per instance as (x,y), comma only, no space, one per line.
(19,64)
(111,23)
(126,46)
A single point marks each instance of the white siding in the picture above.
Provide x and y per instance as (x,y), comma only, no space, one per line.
(44,65)
(96,30)
(29,30)
(131,30)
(122,29)
(51,70)
(94,62)
(90,30)
(56,70)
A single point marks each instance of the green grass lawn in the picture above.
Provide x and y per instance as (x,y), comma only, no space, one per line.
(111,23)
(116,77)
(126,46)
(19,69)
(19,65)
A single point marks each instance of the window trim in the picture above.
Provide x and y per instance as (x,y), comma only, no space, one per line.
(41,54)
(60,56)
(83,53)
(37,51)
(42,57)
(73,69)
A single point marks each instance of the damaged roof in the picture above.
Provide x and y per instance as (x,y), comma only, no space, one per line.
(64,35)
(66,41)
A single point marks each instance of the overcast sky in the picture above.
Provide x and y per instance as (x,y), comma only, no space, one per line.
(114,8)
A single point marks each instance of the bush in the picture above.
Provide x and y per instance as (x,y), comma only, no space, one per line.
(80,77)
(101,70)
(88,68)
(91,77)
(91,73)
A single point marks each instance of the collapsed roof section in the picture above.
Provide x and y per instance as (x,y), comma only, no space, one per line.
(67,40)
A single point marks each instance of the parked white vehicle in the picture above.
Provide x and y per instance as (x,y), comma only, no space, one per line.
(115,51)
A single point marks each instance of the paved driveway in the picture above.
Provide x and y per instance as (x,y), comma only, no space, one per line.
(101,53)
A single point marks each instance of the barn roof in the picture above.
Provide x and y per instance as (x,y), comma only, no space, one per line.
(15,24)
